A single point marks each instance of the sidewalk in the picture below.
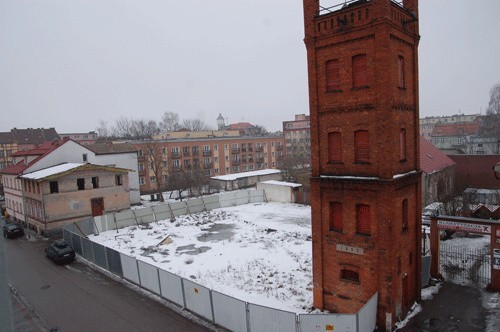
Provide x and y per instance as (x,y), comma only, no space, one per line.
(457,308)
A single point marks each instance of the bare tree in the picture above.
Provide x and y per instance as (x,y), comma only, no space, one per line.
(490,123)
(194,125)
(103,130)
(177,183)
(169,122)
(157,164)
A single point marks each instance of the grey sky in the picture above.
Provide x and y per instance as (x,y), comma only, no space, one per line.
(68,63)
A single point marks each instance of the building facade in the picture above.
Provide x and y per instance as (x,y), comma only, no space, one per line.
(427,124)
(82,138)
(365,184)
(159,160)
(297,135)
(455,138)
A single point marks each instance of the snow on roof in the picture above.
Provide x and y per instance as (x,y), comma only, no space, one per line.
(236,176)
(282,183)
(43,173)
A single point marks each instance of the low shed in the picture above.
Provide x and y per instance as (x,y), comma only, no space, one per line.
(244,180)
(279,191)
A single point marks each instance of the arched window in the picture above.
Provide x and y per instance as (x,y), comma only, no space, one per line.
(336,223)
(335,147)
(363,219)
(361,146)
(359,71)
(332,69)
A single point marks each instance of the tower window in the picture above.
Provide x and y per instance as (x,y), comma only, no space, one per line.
(349,275)
(332,69)
(404,214)
(54,187)
(334,147)
(80,183)
(359,71)
(361,146)
(363,219)
(402,144)
(401,72)
(336,223)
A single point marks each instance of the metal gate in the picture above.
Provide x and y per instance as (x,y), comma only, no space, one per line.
(462,265)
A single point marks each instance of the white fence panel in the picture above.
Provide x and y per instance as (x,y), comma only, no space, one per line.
(321,323)
(256,196)
(227,199)
(367,316)
(211,202)
(198,299)
(243,197)
(144,216)
(195,205)
(263,319)
(124,219)
(149,277)
(130,271)
(229,312)
(178,208)
(162,212)
(171,287)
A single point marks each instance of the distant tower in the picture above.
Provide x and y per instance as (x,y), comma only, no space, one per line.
(220,122)
(365,182)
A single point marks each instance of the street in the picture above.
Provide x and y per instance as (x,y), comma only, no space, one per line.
(78,298)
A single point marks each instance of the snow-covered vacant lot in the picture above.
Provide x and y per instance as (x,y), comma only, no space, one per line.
(259,253)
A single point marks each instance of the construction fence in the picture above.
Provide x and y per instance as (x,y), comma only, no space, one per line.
(223,310)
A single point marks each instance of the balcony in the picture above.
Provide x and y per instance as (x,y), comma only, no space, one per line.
(243,149)
(186,153)
(196,153)
(234,151)
(259,160)
(250,160)
(279,147)
(207,165)
(207,153)
(259,149)
(175,155)
(236,162)
(176,168)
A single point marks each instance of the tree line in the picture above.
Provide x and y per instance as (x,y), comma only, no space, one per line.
(139,129)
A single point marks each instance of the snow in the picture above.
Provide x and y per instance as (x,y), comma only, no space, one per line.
(349,177)
(404,174)
(259,253)
(51,171)
(236,176)
(282,183)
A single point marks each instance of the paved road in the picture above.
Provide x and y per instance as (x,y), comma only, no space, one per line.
(78,298)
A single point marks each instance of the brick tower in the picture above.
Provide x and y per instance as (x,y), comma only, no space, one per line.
(365,183)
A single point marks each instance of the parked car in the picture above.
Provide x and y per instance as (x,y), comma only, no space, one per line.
(12,231)
(60,252)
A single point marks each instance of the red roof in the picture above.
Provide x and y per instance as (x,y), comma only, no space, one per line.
(477,171)
(14,169)
(431,158)
(240,125)
(455,129)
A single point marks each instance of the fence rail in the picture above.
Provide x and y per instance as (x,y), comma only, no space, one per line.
(220,309)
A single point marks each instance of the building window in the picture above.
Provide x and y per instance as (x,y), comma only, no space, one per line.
(152,179)
(119,180)
(361,146)
(404,214)
(139,153)
(363,219)
(141,180)
(336,223)
(54,187)
(335,147)
(140,167)
(349,275)
(359,71)
(95,182)
(402,144)
(401,72)
(332,69)
(80,183)
(84,158)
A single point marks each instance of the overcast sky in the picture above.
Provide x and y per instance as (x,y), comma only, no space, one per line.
(68,63)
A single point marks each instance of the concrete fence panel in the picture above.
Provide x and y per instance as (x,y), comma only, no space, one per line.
(426,270)
(256,196)
(88,250)
(114,261)
(195,205)
(144,216)
(178,208)
(125,218)
(100,255)
(100,223)
(130,270)
(264,319)
(198,299)
(86,226)
(171,287)
(243,197)
(162,212)
(227,199)
(229,312)
(321,323)
(367,316)
(76,244)
(148,275)
(211,202)
(67,235)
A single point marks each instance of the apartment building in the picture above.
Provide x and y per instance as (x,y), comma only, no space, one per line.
(427,124)
(297,135)
(160,159)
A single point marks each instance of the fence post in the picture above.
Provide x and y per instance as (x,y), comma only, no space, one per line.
(135,217)
(203,201)
(187,207)
(172,216)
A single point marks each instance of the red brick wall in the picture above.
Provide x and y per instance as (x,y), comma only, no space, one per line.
(383,108)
